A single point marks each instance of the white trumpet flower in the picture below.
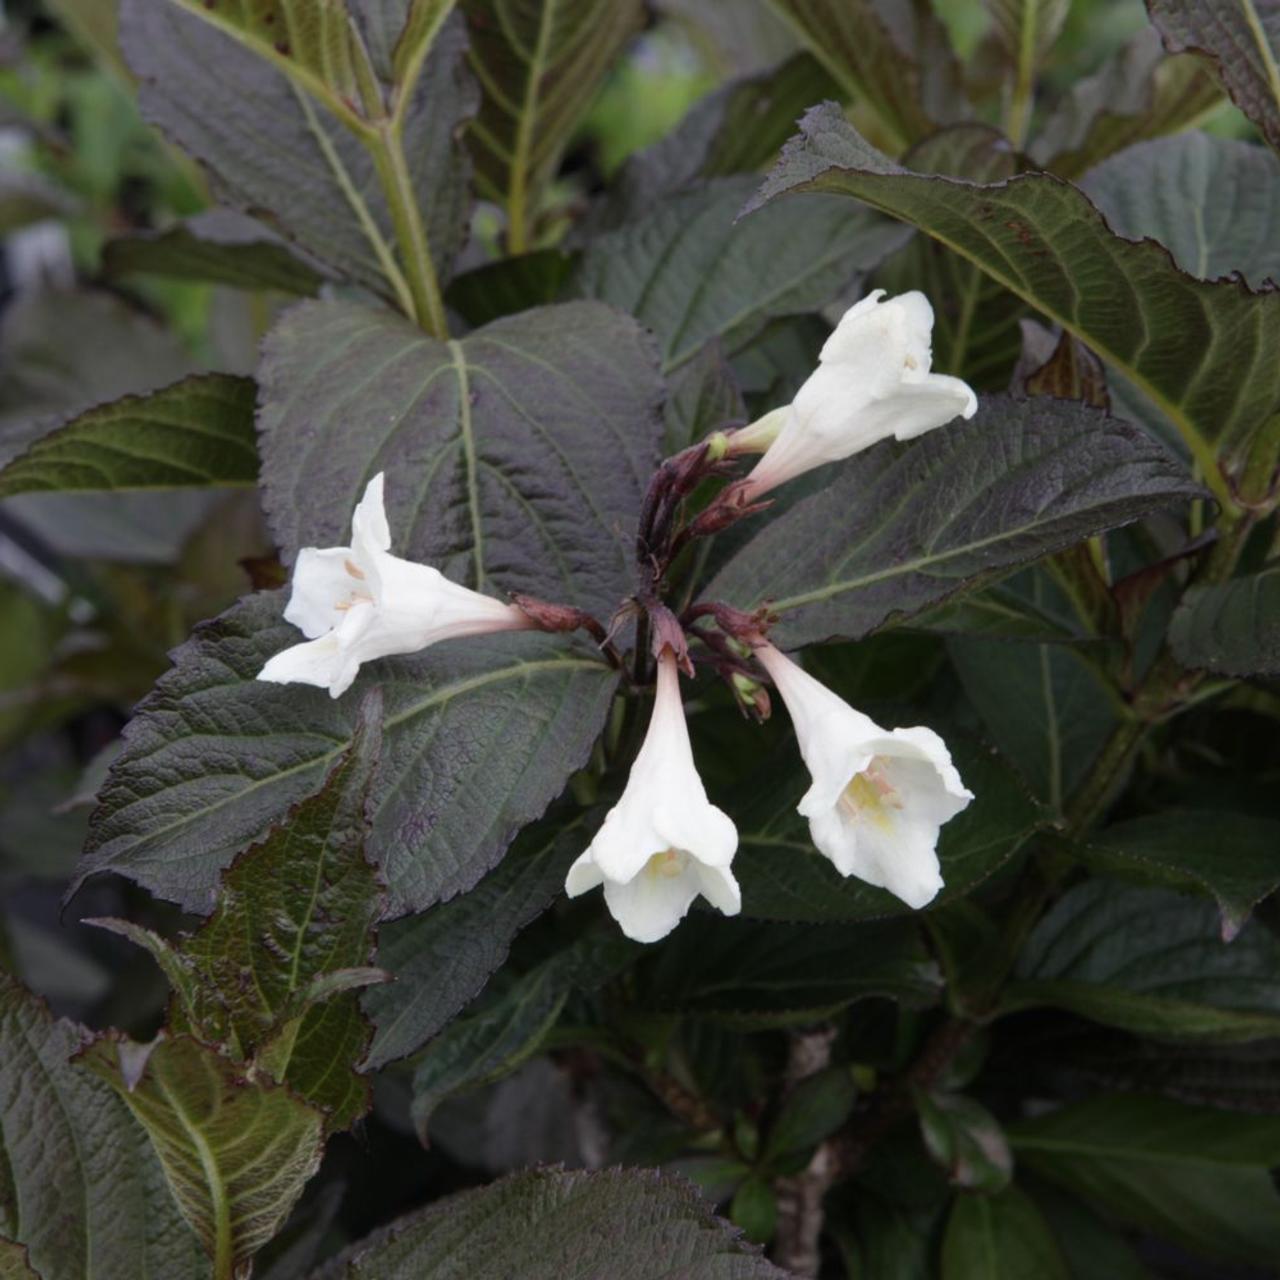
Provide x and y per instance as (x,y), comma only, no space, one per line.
(879,796)
(664,842)
(872,382)
(358,603)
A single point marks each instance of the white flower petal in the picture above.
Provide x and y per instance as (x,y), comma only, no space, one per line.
(698,828)
(418,600)
(836,838)
(664,842)
(648,906)
(873,382)
(583,876)
(919,743)
(321,580)
(368,604)
(879,796)
(318,662)
(718,886)
(901,858)
(625,842)
(370,531)
(910,411)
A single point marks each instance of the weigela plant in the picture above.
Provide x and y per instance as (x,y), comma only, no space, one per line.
(664,843)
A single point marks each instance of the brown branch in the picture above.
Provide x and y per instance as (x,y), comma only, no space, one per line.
(799,1196)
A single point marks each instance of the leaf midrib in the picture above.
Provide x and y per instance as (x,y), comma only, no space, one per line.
(1254,22)
(467,436)
(517,191)
(222,1242)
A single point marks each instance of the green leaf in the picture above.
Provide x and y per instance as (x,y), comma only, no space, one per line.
(442,959)
(298,906)
(691,273)
(1201,351)
(508,1026)
(1024,32)
(540,64)
(79,1184)
(15,1262)
(865,45)
(1234,185)
(65,350)
(966,1140)
(738,128)
(313,41)
(281,155)
(516,457)
(817,1106)
(237,1152)
(1002,1237)
(546,1224)
(752,974)
(217,246)
(1150,961)
(94,24)
(975,334)
(1191,1175)
(61,353)
(509,285)
(755,1209)
(27,197)
(1236,1077)
(1045,706)
(269,973)
(1000,613)
(1090,1246)
(1227,855)
(1059,365)
(879,1240)
(1139,93)
(400,33)
(1231,628)
(214,757)
(784,878)
(1240,40)
(1027,29)
(191,434)
(305,1238)
(899,530)
(705,397)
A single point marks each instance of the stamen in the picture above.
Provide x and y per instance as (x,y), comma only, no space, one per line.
(668,864)
(353,569)
(357,597)
(870,795)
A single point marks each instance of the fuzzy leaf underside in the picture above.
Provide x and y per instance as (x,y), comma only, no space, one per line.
(237,1152)
(80,1186)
